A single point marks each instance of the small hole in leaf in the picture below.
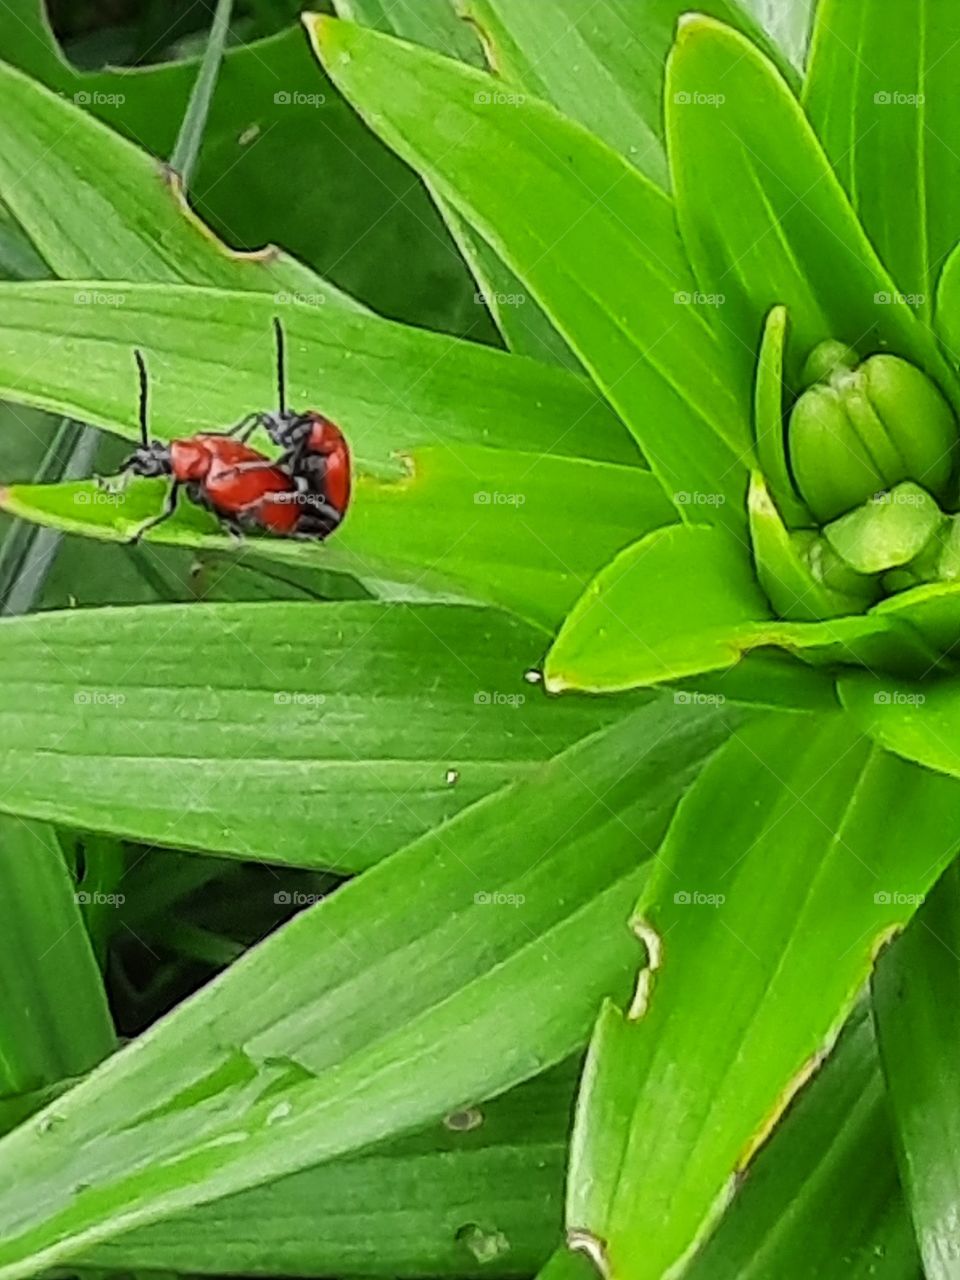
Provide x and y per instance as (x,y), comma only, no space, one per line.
(486,1246)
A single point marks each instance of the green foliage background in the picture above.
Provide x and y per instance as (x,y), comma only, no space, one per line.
(505,888)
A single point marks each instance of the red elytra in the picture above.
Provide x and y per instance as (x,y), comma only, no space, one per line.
(235,483)
(242,487)
(326,440)
(315,450)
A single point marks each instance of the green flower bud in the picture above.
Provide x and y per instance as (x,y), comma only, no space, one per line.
(890,531)
(939,561)
(861,429)
(833,573)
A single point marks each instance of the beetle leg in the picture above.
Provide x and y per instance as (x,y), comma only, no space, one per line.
(245,428)
(318,520)
(169,507)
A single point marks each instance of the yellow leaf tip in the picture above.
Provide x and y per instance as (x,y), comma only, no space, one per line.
(554,682)
(321,27)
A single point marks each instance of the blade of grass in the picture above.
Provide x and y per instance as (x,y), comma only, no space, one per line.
(189,140)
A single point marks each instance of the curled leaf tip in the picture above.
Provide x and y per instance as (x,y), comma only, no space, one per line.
(654,948)
(586,1242)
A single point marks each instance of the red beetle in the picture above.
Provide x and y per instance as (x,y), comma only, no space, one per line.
(244,489)
(315,450)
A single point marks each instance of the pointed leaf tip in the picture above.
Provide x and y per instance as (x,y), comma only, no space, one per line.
(321,28)
(690,24)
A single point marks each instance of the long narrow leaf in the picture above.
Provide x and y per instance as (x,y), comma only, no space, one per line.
(784,873)
(480,1194)
(565,213)
(764,217)
(914,986)
(209,353)
(880,93)
(314,734)
(462,966)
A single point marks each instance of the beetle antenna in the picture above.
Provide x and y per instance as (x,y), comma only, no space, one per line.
(281,362)
(142,371)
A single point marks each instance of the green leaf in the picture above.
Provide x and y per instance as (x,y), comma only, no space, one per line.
(769,425)
(919,720)
(54,1019)
(933,611)
(948,301)
(764,219)
(210,357)
(514,544)
(465,964)
(672,605)
(434,23)
(525,329)
(916,982)
(684,600)
(822,1198)
(880,93)
(746,989)
(784,573)
(270,118)
(127,219)
(562,228)
(480,1194)
(28,40)
(602,66)
(314,734)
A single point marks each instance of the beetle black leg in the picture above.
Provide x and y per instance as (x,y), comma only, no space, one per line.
(169,507)
(318,519)
(245,428)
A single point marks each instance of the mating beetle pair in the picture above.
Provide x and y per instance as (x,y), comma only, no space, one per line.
(304,493)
